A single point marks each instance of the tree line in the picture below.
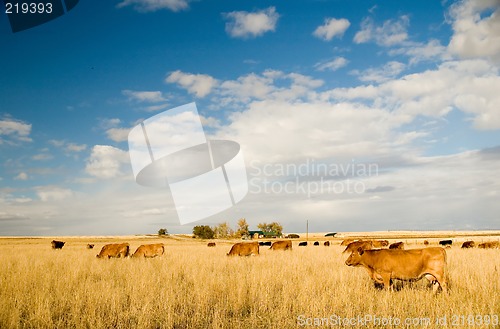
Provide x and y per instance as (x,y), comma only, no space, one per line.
(224,230)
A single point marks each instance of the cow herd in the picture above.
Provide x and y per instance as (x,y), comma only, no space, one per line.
(383,264)
(122,250)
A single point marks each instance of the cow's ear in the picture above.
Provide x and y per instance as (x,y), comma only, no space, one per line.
(361,251)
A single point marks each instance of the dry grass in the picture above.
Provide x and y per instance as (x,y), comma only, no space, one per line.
(193,286)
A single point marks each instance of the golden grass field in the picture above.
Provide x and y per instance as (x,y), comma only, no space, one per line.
(193,286)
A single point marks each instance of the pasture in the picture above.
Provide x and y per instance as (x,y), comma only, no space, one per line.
(193,286)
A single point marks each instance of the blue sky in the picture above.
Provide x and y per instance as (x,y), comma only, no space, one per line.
(407,86)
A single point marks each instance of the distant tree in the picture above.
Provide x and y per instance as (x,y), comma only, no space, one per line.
(242,228)
(274,227)
(223,231)
(162,231)
(203,232)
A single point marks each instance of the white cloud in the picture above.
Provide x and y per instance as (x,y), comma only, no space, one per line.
(270,85)
(72,147)
(198,84)
(418,52)
(389,71)
(332,28)
(12,130)
(332,65)
(118,134)
(243,24)
(21,176)
(53,193)
(42,157)
(154,5)
(389,34)
(144,96)
(475,35)
(470,86)
(106,162)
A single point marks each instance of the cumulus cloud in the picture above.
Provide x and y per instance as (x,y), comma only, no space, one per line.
(388,71)
(73,147)
(332,65)
(470,86)
(390,33)
(269,85)
(155,5)
(106,162)
(476,27)
(118,134)
(419,52)
(198,84)
(243,24)
(331,28)
(12,131)
(144,96)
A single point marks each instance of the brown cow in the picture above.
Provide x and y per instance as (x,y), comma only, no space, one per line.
(426,243)
(90,246)
(385,264)
(468,244)
(282,245)
(149,250)
(487,245)
(116,250)
(380,243)
(57,244)
(211,244)
(397,245)
(366,245)
(244,249)
(327,244)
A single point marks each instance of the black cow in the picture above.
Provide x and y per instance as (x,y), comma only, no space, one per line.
(445,242)
(57,244)
(316,243)
(327,244)
(303,244)
(265,243)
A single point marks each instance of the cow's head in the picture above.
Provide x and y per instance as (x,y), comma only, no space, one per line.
(355,258)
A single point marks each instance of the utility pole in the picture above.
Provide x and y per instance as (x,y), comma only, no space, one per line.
(307,230)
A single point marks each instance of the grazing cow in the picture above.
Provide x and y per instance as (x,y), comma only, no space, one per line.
(489,245)
(397,245)
(115,250)
(265,243)
(282,245)
(303,244)
(327,244)
(316,243)
(383,265)
(244,249)
(347,241)
(149,250)
(57,244)
(211,244)
(426,243)
(380,243)
(366,245)
(90,246)
(468,244)
(445,243)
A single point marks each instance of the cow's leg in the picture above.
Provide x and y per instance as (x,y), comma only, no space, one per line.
(387,281)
